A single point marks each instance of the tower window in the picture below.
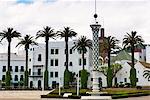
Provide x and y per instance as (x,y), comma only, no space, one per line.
(39,57)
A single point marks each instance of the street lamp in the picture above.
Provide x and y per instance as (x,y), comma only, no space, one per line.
(78,84)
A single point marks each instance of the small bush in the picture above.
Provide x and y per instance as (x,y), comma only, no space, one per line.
(139,87)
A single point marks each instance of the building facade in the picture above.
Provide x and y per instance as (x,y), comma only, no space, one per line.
(56,63)
(17,67)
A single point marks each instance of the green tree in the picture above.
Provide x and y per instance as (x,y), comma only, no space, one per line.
(113,70)
(66,34)
(131,41)
(47,33)
(26,42)
(81,45)
(111,44)
(9,34)
(146,74)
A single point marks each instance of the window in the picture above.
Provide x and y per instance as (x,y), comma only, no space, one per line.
(51,74)
(3,78)
(16,78)
(16,68)
(22,68)
(52,51)
(29,71)
(80,62)
(39,57)
(56,62)
(137,79)
(4,68)
(56,74)
(84,61)
(91,79)
(30,59)
(39,71)
(125,79)
(21,77)
(70,51)
(70,64)
(52,62)
(56,51)
(11,68)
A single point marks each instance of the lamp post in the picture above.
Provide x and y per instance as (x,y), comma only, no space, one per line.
(59,85)
(78,84)
(43,81)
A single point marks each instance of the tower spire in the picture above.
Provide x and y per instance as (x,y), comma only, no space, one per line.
(95,15)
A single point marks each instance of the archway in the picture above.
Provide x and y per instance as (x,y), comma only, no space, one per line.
(100,82)
(39,84)
(31,84)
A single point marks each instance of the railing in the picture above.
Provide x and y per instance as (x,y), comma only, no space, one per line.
(37,73)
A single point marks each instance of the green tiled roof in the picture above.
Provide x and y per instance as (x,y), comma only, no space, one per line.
(122,55)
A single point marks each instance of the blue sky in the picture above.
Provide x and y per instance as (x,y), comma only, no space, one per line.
(31,1)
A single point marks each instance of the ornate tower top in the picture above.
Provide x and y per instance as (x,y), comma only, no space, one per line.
(95,15)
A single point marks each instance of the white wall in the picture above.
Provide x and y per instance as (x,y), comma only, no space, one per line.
(141,80)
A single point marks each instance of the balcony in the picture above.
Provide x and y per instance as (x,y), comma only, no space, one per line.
(38,65)
(36,74)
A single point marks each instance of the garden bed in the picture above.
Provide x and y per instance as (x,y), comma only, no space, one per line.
(116,93)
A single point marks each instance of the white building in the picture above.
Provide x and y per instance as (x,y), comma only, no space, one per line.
(56,63)
(17,67)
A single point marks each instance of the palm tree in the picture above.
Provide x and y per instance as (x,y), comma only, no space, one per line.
(47,33)
(110,44)
(9,34)
(147,74)
(26,41)
(66,33)
(81,45)
(131,41)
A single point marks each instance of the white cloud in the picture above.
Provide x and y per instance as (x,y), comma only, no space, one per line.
(118,17)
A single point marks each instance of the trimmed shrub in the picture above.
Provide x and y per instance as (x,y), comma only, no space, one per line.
(67,78)
(8,79)
(46,79)
(109,77)
(133,79)
(26,74)
(84,79)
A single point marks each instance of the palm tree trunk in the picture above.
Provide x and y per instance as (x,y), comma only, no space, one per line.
(109,58)
(132,50)
(26,71)
(133,79)
(83,60)
(66,51)
(26,59)
(46,53)
(46,65)
(9,46)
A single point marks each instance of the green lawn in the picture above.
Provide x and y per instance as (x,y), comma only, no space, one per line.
(114,92)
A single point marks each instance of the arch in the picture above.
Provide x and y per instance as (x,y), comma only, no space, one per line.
(31,84)
(100,82)
(39,84)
